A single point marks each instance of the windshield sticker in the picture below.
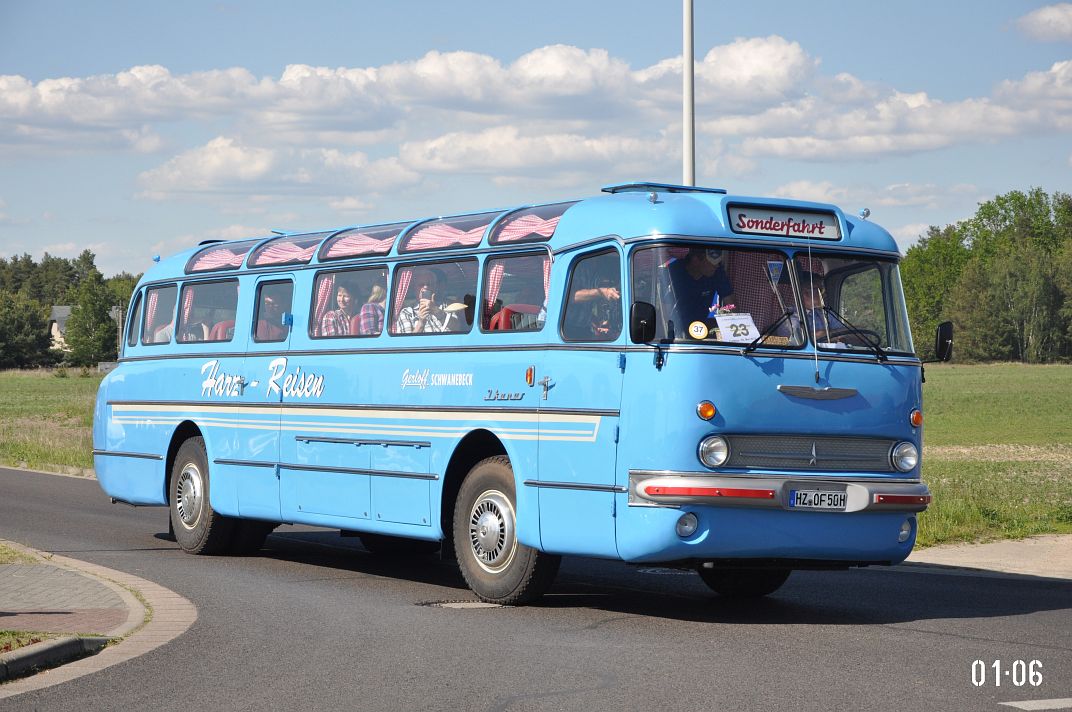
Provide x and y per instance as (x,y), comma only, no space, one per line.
(424,379)
(698,330)
(784,223)
(736,328)
(774,269)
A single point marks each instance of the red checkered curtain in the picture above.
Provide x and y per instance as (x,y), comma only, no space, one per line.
(526,226)
(437,236)
(546,278)
(150,308)
(401,287)
(358,244)
(323,300)
(495,277)
(287,251)
(187,303)
(220,258)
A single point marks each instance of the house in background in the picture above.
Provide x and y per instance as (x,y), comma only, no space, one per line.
(57,327)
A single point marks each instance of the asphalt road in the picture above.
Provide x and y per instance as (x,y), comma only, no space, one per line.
(314,622)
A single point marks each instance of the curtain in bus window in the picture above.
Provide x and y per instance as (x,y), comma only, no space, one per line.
(324,290)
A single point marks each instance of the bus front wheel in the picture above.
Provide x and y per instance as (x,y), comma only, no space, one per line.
(744,583)
(497,567)
(198,529)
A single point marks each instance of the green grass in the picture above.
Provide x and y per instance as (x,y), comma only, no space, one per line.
(46,422)
(11,639)
(997,455)
(10,556)
(997,403)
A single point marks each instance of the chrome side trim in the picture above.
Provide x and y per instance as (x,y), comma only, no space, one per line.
(348,406)
(359,471)
(812,393)
(575,486)
(354,441)
(117,453)
(243,463)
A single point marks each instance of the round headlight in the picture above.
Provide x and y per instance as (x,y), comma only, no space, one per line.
(905,457)
(714,451)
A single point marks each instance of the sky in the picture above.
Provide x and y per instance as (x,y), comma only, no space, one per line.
(136,129)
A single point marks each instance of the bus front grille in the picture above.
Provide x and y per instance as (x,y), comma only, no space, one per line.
(793,452)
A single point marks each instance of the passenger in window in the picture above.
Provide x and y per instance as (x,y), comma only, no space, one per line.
(337,321)
(270,317)
(163,334)
(595,308)
(425,315)
(825,324)
(370,318)
(698,287)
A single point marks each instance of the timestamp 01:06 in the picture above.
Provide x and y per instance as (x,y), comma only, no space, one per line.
(1017,672)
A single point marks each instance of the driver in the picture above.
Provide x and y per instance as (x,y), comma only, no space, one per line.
(698,287)
(595,306)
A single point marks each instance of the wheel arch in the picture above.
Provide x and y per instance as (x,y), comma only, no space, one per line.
(186,429)
(471,449)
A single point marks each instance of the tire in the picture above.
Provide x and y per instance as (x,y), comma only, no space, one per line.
(495,565)
(198,529)
(744,583)
(249,535)
(383,545)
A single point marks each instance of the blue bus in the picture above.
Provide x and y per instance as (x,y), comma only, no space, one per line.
(659,374)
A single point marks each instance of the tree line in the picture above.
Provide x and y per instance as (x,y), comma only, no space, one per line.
(1003,277)
(28,291)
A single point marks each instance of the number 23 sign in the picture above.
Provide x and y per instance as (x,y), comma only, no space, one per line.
(737,328)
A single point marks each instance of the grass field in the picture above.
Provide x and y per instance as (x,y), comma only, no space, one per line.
(997,455)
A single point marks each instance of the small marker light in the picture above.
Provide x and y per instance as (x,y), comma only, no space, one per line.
(916,418)
(530,375)
(906,531)
(706,410)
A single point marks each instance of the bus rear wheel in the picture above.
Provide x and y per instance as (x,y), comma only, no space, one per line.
(198,529)
(744,583)
(497,567)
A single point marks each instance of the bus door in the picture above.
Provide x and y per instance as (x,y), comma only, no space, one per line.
(265,373)
(580,394)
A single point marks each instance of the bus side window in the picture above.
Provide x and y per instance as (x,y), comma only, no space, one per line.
(208,311)
(437,297)
(159,322)
(594,299)
(134,321)
(348,303)
(515,293)
(273,301)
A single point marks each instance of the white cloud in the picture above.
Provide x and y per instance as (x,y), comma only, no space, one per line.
(220,163)
(1052,23)
(907,235)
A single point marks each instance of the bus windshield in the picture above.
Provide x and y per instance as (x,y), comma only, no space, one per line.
(708,294)
(853,303)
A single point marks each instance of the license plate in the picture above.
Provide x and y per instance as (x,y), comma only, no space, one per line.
(817,499)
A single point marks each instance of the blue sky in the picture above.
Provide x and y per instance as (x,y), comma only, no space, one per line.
(136,128)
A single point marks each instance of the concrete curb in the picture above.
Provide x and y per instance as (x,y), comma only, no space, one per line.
(46,654)
(166,617)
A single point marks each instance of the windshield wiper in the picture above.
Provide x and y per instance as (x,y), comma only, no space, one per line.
(765,333)
(875,348)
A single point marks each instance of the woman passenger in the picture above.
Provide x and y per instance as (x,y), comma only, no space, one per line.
(337,322)
(370,318)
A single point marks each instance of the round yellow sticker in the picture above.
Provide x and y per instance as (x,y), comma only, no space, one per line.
(698,330)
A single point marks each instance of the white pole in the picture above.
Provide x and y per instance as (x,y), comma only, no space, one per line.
(688,149)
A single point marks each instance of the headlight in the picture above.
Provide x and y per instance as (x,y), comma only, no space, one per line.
(904,457)
(714,451)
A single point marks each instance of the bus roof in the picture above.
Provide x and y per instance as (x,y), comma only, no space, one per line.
(639,210)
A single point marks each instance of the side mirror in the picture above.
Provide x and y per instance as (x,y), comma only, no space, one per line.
(943,342)
(642,323)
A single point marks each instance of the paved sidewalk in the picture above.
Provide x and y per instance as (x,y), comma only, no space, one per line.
(1046,556)
(88,606)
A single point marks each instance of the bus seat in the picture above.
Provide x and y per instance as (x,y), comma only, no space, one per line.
(510,316)
(219,330)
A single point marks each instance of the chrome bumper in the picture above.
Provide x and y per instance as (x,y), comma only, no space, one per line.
(649,488)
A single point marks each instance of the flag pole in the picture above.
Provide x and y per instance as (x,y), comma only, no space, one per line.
(688,149)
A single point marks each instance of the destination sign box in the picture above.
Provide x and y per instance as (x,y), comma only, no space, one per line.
(753,220)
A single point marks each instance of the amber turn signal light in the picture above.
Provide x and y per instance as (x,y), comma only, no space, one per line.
(916,418)
(706,410)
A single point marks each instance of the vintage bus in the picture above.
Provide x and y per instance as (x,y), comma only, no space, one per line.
(659,374)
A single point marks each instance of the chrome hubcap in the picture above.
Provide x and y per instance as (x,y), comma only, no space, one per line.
(491,531)
(189,495)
